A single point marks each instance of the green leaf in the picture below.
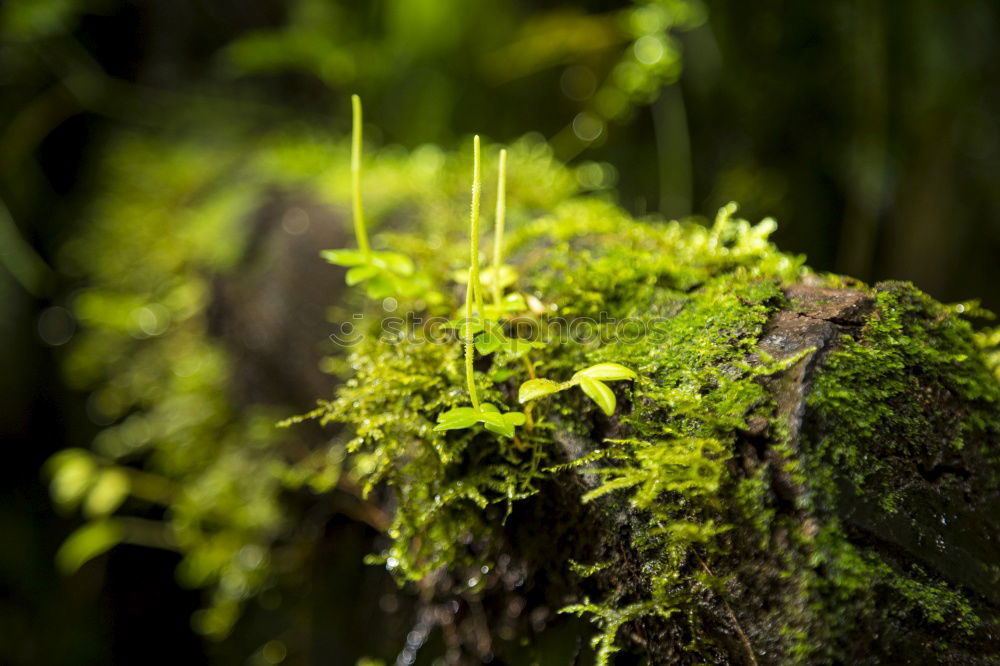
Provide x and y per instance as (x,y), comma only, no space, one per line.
(381,286)
(108,493)
(487,343)
(501,424)
(73,474)
(87,543)
(393,261)
(359,274)
(514,302)
(456,419)
(492,419)
(467,327)
(491,339)
(417,284)
(501,375)
(488,414)
(502,429)
(510,303)
(515,418)
(517,348)
(606,372)
(508,276)
(344,257)
(599,393)
(536,388)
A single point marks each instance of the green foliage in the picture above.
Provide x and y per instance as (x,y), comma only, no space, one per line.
(162,385)
(384,273)
(502,423)
(698,294)
(718,285)
(590,380)
(88,542)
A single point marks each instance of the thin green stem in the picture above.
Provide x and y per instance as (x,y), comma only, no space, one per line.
(470,349)
(359,218)
(472,290)
(498,231)
(477,186)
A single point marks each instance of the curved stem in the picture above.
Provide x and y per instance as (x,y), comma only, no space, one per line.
(359,219)
(498,232)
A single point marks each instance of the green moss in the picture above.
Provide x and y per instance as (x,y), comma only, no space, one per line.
(880,397)
(906,396)
(175,217)
(696,300)
(684,304)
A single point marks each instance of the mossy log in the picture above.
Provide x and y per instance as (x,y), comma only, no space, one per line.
(805,470)
(884,551)
(842,505)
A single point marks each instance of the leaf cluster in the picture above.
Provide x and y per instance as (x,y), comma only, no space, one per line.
(590,380)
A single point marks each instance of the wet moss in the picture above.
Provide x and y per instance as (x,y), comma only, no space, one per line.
(881,397)
(666,465)
(905,423)
(681,303)
(701,500)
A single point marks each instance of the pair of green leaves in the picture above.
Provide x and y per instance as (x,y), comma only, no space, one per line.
(383,273)
(590,380)
(511,303)
(79,480)
(506,274)
(502,423)
(492,338)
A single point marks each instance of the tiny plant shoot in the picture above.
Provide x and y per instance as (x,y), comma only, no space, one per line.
(485,413)
(590,380)
(384,273)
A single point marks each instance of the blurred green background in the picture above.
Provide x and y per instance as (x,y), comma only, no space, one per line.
(869,128)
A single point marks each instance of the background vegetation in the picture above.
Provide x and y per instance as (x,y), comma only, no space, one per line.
(868,129)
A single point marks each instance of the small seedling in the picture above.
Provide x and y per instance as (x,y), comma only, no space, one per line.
(590,380)
(465,417)
(384,273)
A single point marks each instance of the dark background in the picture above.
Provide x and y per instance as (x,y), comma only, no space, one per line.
(869,129)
